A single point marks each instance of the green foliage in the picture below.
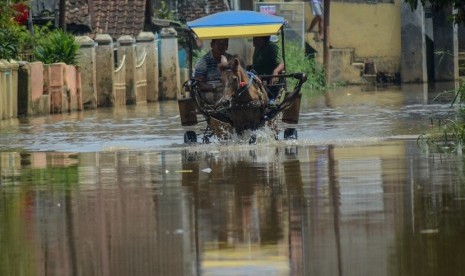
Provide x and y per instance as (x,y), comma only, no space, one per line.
(164,12)
(50,46)
(447,135)
(197,54)
(58,47)
(298,61)
(8,44)
(28,42)
(459,5)
(8,39)
(6,14)
(16,39)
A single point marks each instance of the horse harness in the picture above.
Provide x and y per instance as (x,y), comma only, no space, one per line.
(243,87)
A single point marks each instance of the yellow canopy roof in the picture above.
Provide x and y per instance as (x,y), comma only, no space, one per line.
(231,24)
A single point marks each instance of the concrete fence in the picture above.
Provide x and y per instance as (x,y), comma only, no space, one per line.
(8,89)
(144,42)
(119,88)
(109,73)
(45,89)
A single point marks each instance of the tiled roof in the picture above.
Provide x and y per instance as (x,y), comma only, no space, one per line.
(192,10)
(77,12)
(118,18)
(126,17)
(113,17)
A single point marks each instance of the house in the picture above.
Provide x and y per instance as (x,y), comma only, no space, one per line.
(371,38)
(383,40)
(117,18)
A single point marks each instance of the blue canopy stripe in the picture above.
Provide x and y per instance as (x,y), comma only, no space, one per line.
(236,24)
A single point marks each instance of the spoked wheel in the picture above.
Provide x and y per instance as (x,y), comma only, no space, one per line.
(207,134)
(291,151)
(290,134)
(190,137)
(253,139)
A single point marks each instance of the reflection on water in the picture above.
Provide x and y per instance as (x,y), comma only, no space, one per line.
(343,115)
(376,209)
(114,192)
(145,126)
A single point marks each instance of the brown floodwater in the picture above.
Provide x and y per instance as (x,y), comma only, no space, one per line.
(116,192)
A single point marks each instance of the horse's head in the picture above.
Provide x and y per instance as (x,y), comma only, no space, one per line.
(232,75)
(243,94)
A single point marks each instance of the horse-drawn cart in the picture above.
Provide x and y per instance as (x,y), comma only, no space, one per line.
(235,114)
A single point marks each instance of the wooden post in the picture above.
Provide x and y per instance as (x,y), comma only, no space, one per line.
(326,54)
(62,14)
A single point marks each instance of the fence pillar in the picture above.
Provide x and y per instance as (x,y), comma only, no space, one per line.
(119,83)
(72,84)
(5,74)
(146,41)
(141,66)
(14,88)
(153,71)
(127,47)
(446,45)
(31,98)
(104,70)
(9,86)
(2,90)
(10,163)
(87,64)
(413,53)
(59,100)
(170,82)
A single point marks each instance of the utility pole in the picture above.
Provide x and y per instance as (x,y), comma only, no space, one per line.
(62,15)
(326,54)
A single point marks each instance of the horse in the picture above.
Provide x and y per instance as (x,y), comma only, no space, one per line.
(244,100)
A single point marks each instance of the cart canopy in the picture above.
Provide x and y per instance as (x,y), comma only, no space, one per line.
(229,24)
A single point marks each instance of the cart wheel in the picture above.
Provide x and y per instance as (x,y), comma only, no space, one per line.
(290,134)
(190,137)
(291,151)
(253,139)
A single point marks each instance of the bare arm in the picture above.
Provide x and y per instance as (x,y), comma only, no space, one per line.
(204,86)
(277,71)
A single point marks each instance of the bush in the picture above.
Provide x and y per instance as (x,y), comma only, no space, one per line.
(28,42)
(8,44)
(298,61)
(8,39)
(447,134)
(164,12)
(15,38)
(58,47)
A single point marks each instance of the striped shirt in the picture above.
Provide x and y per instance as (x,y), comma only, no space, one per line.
(207,67)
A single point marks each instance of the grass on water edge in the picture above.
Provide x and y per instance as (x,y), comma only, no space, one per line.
(447,135)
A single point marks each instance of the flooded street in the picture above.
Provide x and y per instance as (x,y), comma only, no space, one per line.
(116,192)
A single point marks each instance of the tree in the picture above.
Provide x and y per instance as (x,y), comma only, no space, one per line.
(459,5)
